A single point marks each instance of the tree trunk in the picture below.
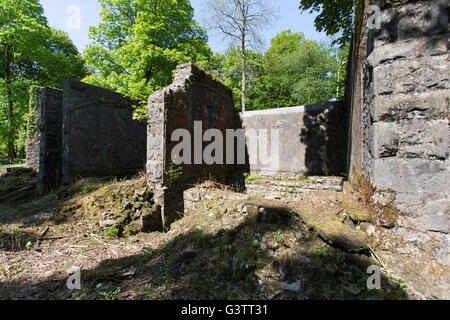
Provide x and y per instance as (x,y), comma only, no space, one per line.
(11,150)
(244,73)
(338,79)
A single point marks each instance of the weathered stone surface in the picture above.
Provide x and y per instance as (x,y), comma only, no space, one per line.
(416,138)
(100,136)
(408,48)
(311,140)
(33,131)
(341,235)
(126,208)
(410,175)
(428,105)
(407,76)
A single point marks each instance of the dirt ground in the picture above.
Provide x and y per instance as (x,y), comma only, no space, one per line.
(217,250)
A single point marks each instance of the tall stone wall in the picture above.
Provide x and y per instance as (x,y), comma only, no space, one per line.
(100,137)
(311,140)
(33,131)
(192,97)
(397,101)
(44,145)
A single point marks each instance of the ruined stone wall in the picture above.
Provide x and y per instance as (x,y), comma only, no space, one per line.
(311,140)
(100,136)
(44,146)
(397,101)
(193,96)
(33,131)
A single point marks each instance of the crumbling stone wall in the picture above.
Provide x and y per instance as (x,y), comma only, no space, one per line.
(397,101)
(193,96)
(311,140)
(44,145)
(100,136)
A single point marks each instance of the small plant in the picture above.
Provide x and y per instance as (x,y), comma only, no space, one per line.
(173,174)
(255,242)
(149,290)
(294,215)
(292,190)
(303,178)
(147,254)
(341,257)
(361,280)
(110,232)
(323,252)
(53,196)
(401,284)
(110,295)
(81,296)
(327,292)
(216,213)
(281,239)
(87,189)
(251,177)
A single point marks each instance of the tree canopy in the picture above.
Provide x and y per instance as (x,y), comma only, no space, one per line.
(139,43)
(335,17)
(293,71)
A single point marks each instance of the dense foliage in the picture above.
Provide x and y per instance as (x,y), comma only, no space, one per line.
(335,17)
(31,53)
(139,43)
(137,46)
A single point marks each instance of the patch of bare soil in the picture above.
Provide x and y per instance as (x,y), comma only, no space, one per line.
(227,246)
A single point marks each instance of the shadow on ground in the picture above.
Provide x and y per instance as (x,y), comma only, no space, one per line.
(278,258)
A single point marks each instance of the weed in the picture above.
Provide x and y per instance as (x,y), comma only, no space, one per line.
(251,177)
(341,256)
(110,295)
(281,239)
(327,292)
(149,290)
(87,189)
(303,178)
(290,190)
(323,252)
(147,254)
(110,232)
(173,174)
(81,296)
(216,213)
